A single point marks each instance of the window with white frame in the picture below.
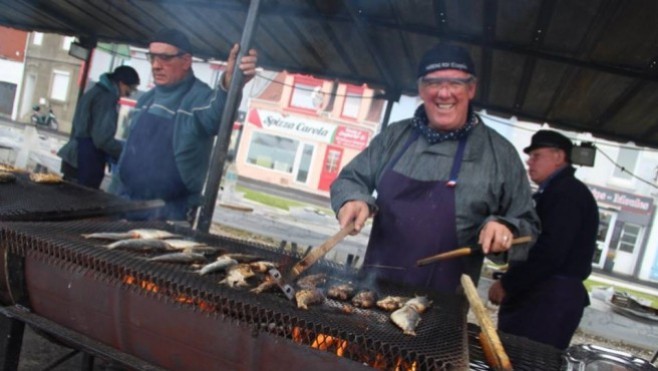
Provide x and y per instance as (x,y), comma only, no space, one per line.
(629,236)
(302,96)
(66,42)
(60,85)
(37,38)
(627,158)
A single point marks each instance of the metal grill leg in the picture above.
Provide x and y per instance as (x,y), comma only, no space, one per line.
(11,341)
(87,363)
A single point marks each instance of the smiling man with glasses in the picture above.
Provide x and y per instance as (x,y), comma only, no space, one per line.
(167,151)
(443,179)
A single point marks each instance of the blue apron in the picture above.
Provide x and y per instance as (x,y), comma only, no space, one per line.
(548,313)
(148,169)
(91,163)
(416,219)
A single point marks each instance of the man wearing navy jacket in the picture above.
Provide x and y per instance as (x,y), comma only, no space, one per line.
(543,298)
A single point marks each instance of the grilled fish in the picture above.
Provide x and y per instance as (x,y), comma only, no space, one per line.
(391,303)
(180,258)
(312,281)
(222,263)
(237,275)
(407,319)
(343,291)
(306,297)
(134,233)
(263,266)
(242,258)
(144,245)
(419,303)
(176,244)
(268,283)
(365,299)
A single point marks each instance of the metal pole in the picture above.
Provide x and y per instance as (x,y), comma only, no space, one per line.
(219,154)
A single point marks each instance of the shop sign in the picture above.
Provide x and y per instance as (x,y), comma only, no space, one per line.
(292,125)
(351,138)
(628,202)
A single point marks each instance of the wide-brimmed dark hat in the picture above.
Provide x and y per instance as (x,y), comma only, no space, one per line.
(550,139)
(445,57)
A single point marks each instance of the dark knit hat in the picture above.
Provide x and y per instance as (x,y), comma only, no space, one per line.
(445,57)
(173,37)
(550,139)
(126,75)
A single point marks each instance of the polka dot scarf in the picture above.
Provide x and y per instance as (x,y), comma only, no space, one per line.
(420,123)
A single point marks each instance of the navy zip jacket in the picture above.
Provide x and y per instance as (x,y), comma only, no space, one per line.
(565,247)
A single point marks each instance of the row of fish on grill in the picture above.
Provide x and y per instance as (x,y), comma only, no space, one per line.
(8,175)
(238,268)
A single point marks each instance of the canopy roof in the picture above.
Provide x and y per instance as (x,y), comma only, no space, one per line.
(581,65)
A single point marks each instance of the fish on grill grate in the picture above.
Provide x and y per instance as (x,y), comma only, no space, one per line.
(7,177)
(365,299)
(406,318)
(312,281)
(142,233)
(419,303)
(306,297)
(262,266)
(45,178)
(143,245)
(184,257)
(222,263)
(237,275)
(392,302)
(341,291)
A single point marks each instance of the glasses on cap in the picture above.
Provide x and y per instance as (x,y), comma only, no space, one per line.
(452,83)
(163,57)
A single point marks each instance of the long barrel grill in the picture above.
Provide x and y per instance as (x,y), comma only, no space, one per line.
(172,317)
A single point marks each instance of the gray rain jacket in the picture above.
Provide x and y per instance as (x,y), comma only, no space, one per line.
(492,183)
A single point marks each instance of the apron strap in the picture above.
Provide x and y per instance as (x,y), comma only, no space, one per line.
(457,163)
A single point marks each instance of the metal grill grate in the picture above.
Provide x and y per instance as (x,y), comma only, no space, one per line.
(25,200)
(363,335)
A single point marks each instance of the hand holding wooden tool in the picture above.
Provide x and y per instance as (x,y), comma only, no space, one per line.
(463,251)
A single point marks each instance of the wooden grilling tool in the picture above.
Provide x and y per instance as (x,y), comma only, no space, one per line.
(463,251)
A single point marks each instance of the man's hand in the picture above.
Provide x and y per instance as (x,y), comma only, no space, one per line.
(357,211)
(496,293)
(247,66)
(495,237)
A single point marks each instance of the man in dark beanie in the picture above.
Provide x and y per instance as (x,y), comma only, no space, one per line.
(544,298)
(92,141)
(442,178)
(172,130)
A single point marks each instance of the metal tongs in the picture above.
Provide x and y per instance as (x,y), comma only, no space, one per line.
(313,256)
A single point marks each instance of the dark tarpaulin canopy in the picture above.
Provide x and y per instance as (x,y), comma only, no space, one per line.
(582,65)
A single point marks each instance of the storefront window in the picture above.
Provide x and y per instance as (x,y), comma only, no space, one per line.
(628,238)
(272,152)
(305,163)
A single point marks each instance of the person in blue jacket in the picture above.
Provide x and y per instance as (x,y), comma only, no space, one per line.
(543,298)
(171,133)
(92,141)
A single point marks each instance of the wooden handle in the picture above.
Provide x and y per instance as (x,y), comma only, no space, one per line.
(462,251)
(321,250)
(491,344)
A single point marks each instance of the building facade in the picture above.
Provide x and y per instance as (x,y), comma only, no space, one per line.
(12,62)
(300,131)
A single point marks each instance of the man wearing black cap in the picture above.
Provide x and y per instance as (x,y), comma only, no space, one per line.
(94,125)
(443,179)
(167,150)
(543,298)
